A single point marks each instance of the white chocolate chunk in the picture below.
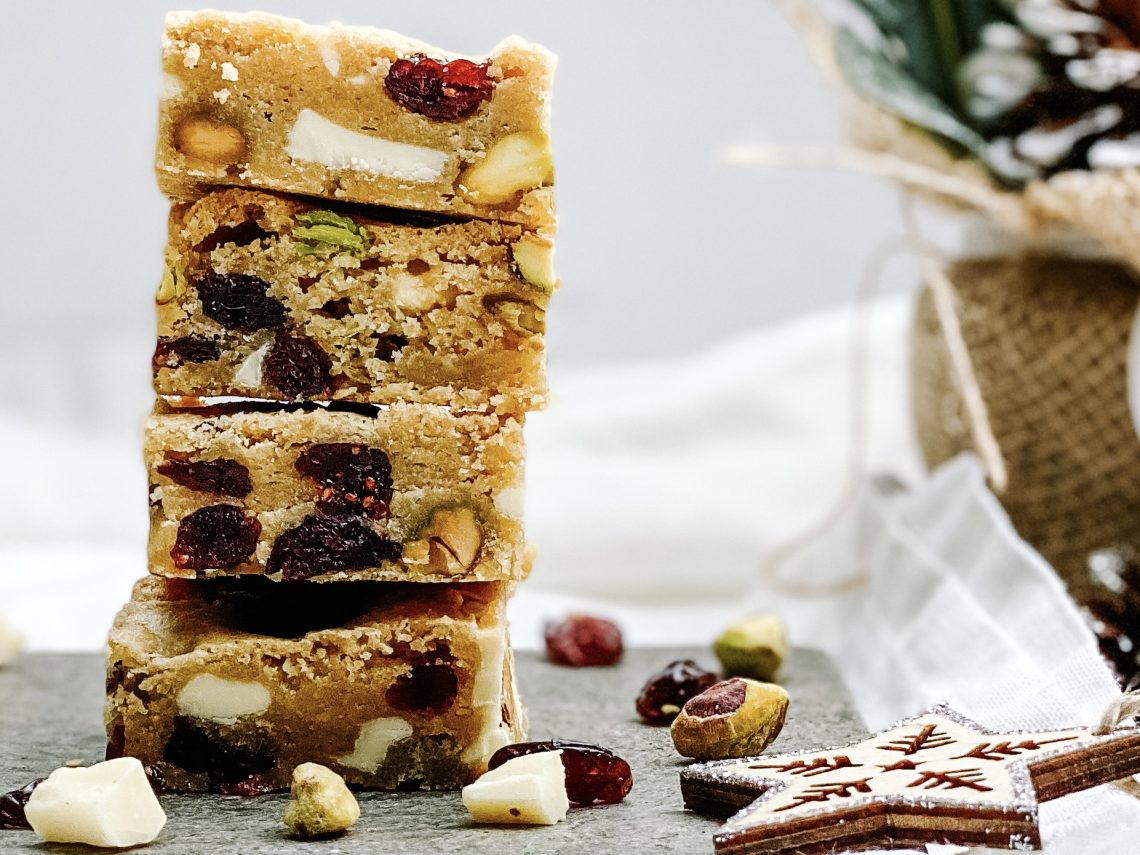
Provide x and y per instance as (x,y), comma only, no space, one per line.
(487,696)
(248,373)
(511,501)
(495,735)
(214,699)
(528,790)
(373,742)
(315,139)
(109,804)
(412,293)
(11,642)
(229,71)
(192,55)
(171,87)
(330,57)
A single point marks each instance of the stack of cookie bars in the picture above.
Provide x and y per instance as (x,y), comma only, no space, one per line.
(351,330)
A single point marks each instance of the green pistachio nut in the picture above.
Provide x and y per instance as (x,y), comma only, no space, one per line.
(754,647)
(534,258)
(735,718)
(326,232)
(172,286)
(523,317)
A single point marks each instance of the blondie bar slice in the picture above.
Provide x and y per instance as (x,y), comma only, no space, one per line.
(405,493)
(278,298)
(354,113)
(228,682)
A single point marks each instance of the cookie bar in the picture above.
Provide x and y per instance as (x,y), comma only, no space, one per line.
(234,682)
(277,298)
(405,493)
(354,113)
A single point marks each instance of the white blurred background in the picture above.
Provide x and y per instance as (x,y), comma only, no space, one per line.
(700,349)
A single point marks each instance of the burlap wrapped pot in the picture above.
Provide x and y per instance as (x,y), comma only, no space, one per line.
(1046,339)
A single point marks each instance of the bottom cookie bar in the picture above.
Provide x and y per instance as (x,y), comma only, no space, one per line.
(227,683)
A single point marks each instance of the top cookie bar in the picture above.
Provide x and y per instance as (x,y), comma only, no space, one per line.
(354,113)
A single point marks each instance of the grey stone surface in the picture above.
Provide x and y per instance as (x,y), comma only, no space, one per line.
(51,712)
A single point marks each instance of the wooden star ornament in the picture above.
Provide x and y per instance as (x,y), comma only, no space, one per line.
(936,778)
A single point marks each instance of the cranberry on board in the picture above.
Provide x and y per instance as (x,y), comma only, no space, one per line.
(12,806)
(581,640)
(594,775)
(666,692)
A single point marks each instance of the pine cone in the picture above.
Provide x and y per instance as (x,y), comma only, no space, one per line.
(1060,89)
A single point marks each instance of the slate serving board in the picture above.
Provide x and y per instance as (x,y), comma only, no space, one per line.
(51,712)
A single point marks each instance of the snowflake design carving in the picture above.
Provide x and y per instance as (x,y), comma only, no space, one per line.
(936,778)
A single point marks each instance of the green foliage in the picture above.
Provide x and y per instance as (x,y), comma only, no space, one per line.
(911,66)
(879,79)
(935,35)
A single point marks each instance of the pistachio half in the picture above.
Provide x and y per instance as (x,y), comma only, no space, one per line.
(734,718)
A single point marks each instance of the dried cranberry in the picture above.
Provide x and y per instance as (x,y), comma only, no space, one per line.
(252,786)
(429,688)
(117,739)
(354,479)
(336,309)
(12,806)
(203,751)
(666,692)
(297,366)
(242,234)
(238,301)
(580,640)
(439,90)
(388,345)
(594,775)
(218,537)
(223,476)
(156,778)
(172,352)
(322,544)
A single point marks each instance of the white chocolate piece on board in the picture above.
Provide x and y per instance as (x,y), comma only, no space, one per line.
(109,804)
(528,790)
(11,643)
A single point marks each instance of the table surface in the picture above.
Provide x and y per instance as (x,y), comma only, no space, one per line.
(51,712)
